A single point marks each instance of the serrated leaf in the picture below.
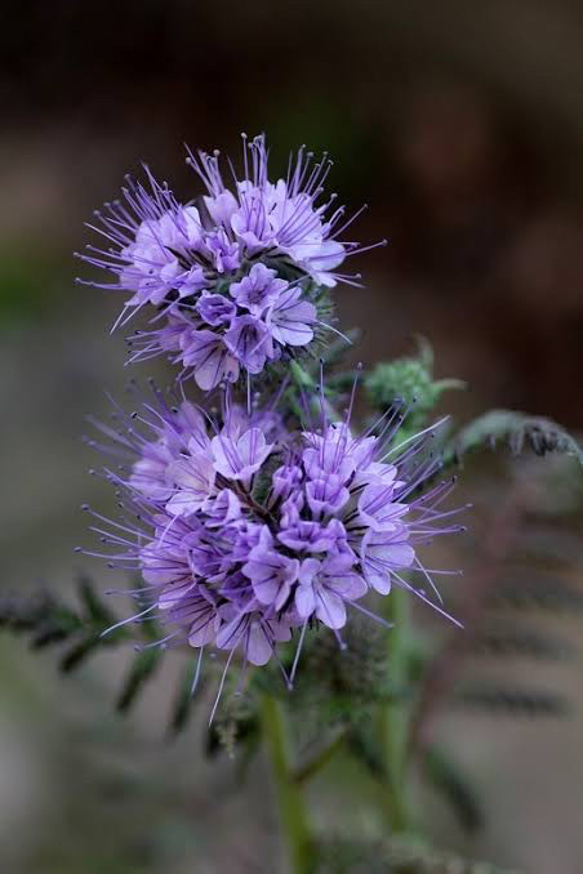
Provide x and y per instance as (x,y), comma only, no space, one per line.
(49,635)
(75,656)
(519,643)
(513,702)
(518,431)
(447,778)
(39,614)
(540,594)
(96,611)
(549,546)
(142,668)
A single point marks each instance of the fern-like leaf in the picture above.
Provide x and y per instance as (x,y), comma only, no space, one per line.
(518,431)
(521,643)
(514,702)
(48,621)
(444,775)
(143,667)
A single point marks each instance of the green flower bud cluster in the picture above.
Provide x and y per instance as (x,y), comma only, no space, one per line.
(409,381)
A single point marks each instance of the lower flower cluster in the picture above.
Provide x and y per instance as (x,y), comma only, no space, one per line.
(244,532)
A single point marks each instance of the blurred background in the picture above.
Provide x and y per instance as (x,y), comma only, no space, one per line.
(461,124)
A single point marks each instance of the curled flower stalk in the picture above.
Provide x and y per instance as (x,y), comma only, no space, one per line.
(235,281)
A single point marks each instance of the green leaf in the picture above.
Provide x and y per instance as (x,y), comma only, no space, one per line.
(143,667)
(445,776)
(512,701)
(49,633)
(40,615)
(75,656)
(520,643)
(408,381)
(544,593)
(518,431)
(99,615)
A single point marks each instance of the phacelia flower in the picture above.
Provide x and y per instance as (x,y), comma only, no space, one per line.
(234,282)
(247,534)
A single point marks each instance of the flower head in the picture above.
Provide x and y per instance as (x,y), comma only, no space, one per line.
(248,532)
(234,282)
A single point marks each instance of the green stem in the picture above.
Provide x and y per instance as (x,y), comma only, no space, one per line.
(306,771)
(394,722)
(290,800)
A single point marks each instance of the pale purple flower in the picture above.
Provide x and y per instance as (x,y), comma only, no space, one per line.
(286,217)
(383,552)
(285,481)
(154,267)
(200,613)
(327,496)
(223,252)
(223,509)
(149,473)
(378,508)
(257,291)
(249,341)
(323,590)
(255,634)
(270,247)
(309,536)
(210,359)
(193,480)
(242,542)
(215,309)
(291,318)
(271,573)
(239,456)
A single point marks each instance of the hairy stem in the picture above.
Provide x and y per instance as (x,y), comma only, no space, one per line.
(394,721)
(290,801)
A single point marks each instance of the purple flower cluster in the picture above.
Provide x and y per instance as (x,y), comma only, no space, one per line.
(248,533)
(234,280)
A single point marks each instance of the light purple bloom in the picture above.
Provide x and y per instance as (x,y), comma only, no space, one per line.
(223,509)
(323,590)
(257,635)
(210,359)
(193,477)
(257,291)
(215,309)
(238,568)
(271,573)
(285,217)
(270,246)
(154,267)
(285,480)
(238,457)
(291,319)
(223,252)
(378,508)
(384,552)
(309,536)
(249,340)
(327,496)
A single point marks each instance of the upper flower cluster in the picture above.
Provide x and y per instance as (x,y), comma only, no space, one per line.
(248,532)
(235,279)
